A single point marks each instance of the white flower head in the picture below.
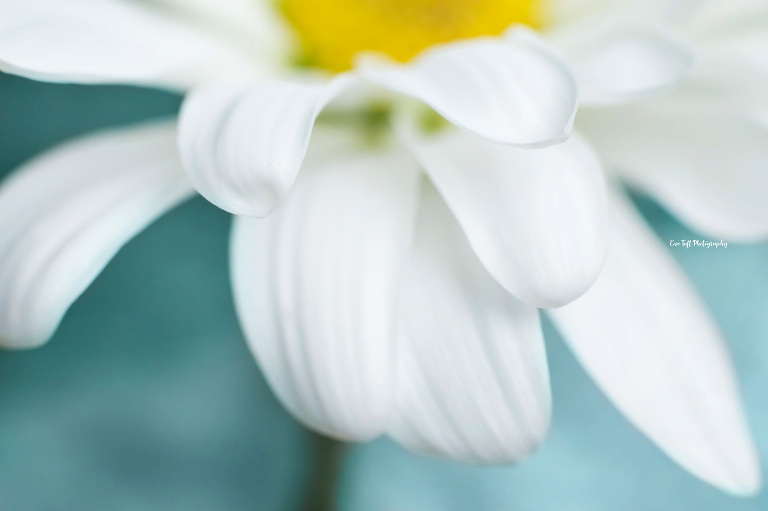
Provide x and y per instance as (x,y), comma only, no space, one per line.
(389,275)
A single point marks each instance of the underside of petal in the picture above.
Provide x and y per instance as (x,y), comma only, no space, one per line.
(473,384)
(315,288)
(646,339)
(64,216)
(535,218)
(243,144)
(515,91)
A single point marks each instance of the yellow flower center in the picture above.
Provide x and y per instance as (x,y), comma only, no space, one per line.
(332,32)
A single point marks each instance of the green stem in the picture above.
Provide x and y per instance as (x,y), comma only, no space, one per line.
(328,454)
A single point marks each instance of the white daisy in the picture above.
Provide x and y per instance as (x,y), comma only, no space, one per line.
(396,290)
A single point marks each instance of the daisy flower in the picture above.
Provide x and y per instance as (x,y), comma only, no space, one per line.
(409,196)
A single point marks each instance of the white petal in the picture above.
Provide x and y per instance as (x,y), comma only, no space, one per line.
(515,92)
(107,41)
(64,216)
(254,24)
(706,165)
(744,52)
(473,383)
(619,62)
(536,218)
(243,144)
(732,38)
(566,12)
(569,13)
(676,13)
(315,287)
(733,43)
(647,340)
(724,20)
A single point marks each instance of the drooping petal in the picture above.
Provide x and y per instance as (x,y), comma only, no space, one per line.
(536,219)
(108,41)
(473,383)
(243,144)
(624,61)
(515,92)
(707,165)
(315,287)
(645,337)
(64,215)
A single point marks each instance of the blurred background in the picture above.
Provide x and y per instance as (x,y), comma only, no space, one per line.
(148,399)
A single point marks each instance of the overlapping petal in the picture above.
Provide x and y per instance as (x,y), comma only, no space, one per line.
(64,215)
(515,92)
(473,383)
(108,41)
(243,144)
(647,340)
(315,287)
(706,164)
(536,219)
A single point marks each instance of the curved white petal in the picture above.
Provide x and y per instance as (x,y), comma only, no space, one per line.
(620,62)
(108,41)
(535,218)
(515,92)
(706,165)
(647,340)
(64,215)
(315,288)
(473,383)
(243,144)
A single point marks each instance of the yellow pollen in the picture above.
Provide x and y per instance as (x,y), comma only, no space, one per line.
(333,32)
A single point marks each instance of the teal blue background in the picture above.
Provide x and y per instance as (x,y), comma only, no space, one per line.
(147,398)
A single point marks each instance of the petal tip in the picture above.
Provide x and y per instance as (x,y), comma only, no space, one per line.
(23,343)
(744,480)
(365,427)
(560,289)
